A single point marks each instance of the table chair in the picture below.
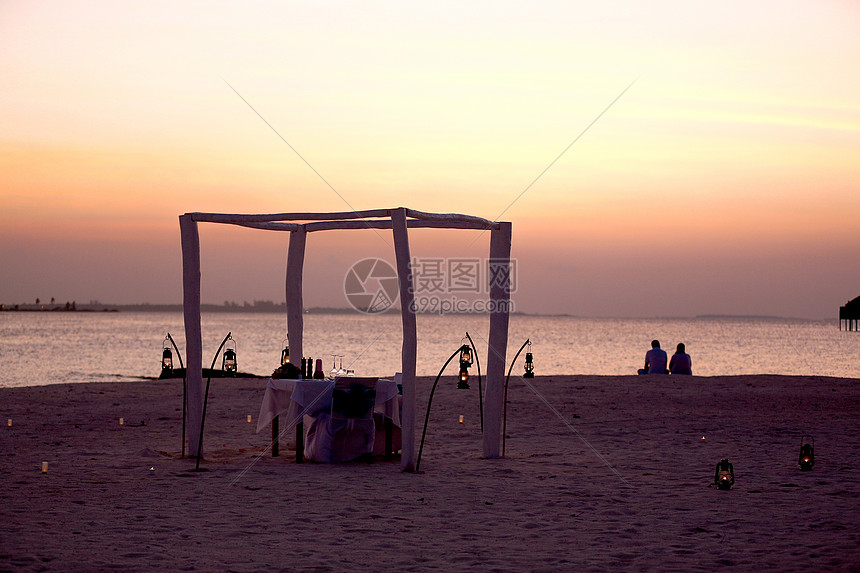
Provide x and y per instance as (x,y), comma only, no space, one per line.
(346,432)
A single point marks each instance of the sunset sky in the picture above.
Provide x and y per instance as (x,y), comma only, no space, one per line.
(725,180)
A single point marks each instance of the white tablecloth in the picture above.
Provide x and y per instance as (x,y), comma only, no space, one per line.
(296,398)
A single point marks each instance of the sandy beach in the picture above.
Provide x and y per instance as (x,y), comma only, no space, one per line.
(552,504)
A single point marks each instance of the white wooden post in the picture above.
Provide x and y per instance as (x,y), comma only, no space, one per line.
(410,338)
(193,337)
(500,296)
(295,318)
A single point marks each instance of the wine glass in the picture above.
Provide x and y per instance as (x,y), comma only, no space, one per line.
(341,371)
(334,371)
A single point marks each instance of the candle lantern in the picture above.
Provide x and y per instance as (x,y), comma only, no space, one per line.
(166,356)
(228,363)
(807,453)
(530,365)
(285,353)
(724,474)
(466,355)
(463,379)
(465,362)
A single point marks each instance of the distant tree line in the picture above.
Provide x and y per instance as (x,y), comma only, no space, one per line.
(69,306)
(227,306)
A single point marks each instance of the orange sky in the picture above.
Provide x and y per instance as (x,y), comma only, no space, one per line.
(725,180)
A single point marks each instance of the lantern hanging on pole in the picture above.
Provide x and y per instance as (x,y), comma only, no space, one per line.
(228,363)
(466,355)
(285,353)
(463,379)
(724,474)
(530,365)
(465,362)
(807,453)
(166,356)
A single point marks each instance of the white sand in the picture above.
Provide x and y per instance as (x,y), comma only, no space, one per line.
(550,505)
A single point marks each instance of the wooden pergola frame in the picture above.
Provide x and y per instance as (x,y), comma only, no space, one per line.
(399,220)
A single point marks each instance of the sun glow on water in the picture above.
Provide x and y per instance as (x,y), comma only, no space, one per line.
(48,348)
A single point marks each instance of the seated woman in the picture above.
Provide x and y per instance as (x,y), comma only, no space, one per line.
(681,363)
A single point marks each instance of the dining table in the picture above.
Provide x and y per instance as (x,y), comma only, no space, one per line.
(293,400)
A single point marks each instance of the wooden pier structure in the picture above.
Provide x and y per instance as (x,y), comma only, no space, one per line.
(849,315)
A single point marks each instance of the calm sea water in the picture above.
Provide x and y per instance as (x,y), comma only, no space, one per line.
(39,348)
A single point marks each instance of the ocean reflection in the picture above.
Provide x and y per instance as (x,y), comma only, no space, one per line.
(44,348)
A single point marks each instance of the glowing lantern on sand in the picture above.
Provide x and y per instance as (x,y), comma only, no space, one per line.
(807,453)
(724,474)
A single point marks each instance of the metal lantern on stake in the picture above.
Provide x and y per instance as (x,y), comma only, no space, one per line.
(465,362)
(724,474)
(228,363)
(166,355)
(530,364)
(465,352)
(807,453)
(285,353)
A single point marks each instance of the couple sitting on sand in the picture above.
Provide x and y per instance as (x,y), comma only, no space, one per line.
(655,361)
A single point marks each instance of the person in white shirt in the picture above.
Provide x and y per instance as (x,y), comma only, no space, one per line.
(655,360)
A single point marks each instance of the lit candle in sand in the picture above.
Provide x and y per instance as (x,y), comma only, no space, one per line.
(152,470)
(44,467)
(121,421)
(249,418)
(461,418)
(9,422)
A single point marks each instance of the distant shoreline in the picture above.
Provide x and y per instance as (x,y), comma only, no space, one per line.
(178,308)
(145,307)
(271,307)
(58,309)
